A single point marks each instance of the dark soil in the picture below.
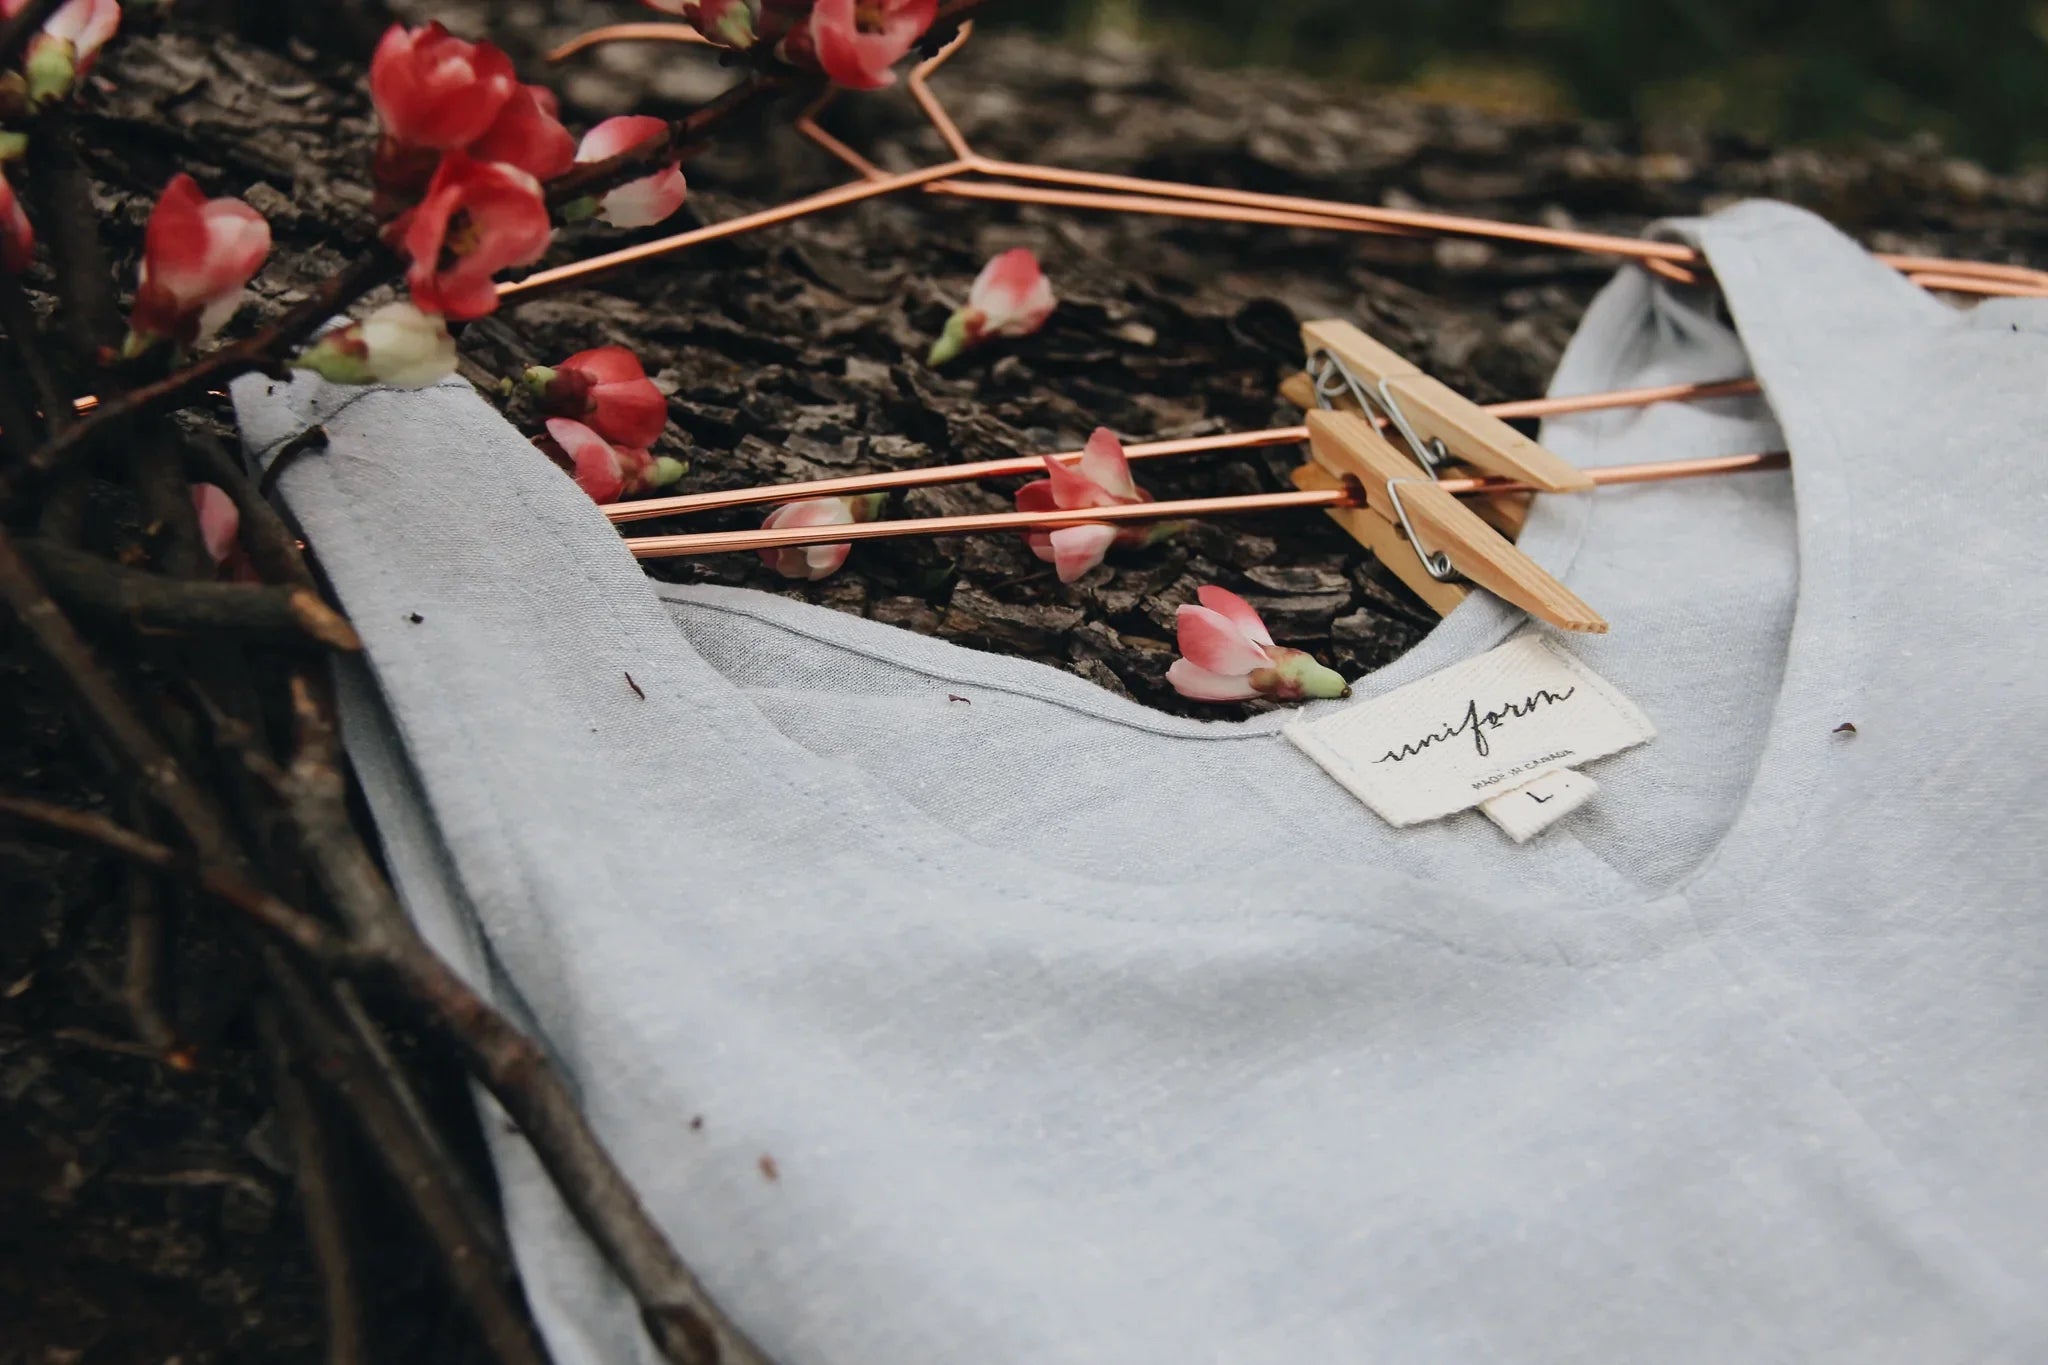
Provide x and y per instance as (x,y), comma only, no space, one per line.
(144,1211)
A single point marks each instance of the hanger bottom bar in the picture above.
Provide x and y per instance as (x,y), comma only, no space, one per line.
(731,542)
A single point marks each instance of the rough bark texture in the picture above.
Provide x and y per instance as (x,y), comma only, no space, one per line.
(142,1207)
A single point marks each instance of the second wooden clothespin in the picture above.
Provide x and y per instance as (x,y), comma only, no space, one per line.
(1440,426)
(1428,538)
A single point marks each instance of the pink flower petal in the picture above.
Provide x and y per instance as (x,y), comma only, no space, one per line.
(1077,549)
(1102,460)
(646,201)
(1236,610)
(1211,640)
(1199,684)
(594,464)
(811,512)
(220,521)
(616,135)
(1037,496)
(809,561)
(1072,488)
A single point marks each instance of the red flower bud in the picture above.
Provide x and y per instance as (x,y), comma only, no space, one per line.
(432,89)
(605,471)
(857,41)
(197,256)
(477,219)
(607,390)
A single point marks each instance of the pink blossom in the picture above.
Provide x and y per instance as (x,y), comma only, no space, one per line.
(592,461)
(432,89)
(606,389)
(528,134)
(637,203)
(857,41)
(1010,298)
(220,530)
(1227,654)
(605,471)
(64,52)
(1102,478)
(477,219)
(817,561)
(198,255)
(17,235)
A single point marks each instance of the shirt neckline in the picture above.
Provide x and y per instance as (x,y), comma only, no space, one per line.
(1554,536)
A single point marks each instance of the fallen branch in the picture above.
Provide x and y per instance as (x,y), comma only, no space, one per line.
(321,1202)
(684,1323)
(150,601)
(483,1278)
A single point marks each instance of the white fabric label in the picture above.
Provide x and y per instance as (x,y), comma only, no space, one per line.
(1474,731)
(1527,811)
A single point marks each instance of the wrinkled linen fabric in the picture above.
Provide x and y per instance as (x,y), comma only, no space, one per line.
(1080,1032)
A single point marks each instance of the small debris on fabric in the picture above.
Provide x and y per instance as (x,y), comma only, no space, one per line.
(414,617)
(1846,728)
(768,1167)
(636,687)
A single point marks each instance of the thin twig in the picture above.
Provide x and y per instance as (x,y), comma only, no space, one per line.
(148,936)
(150,601)
(481,1279)
(687,1327)
(316,1164)
(272,545)
(91,316)
(107,705)
(295,927)
(378,266)
(18,320)
(598,176)
(312,438)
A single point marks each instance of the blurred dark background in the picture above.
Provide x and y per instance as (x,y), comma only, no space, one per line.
(1972,72)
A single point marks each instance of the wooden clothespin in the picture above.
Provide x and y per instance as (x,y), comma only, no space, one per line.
(1427,537)
(1440,426)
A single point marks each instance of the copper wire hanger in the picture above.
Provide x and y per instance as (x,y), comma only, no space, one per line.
(1675,261)
(998,180)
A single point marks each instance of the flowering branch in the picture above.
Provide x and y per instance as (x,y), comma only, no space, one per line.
(267,349)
